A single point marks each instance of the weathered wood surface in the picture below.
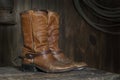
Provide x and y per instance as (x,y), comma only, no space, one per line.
(6,4)
(7,17)
(9,73)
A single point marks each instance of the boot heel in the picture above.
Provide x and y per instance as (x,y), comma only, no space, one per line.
(28,68)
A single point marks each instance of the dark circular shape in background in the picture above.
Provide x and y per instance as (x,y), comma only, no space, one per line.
(111,20)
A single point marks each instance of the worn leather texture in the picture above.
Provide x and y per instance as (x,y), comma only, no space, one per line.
(35,33)
(53,25)
(27,32)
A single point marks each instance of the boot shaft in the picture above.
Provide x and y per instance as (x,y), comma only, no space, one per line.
(35,31)
(53,25)
(40,31)
(26,22)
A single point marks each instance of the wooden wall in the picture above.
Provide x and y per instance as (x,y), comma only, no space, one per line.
(78,40)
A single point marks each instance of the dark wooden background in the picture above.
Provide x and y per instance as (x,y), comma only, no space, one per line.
(78,40)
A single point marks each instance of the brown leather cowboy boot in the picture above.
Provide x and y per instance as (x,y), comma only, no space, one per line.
(36,54)
(53,24)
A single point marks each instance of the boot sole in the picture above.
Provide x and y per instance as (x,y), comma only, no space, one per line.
(34,68)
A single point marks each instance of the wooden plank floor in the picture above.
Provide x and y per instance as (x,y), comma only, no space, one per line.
(9,73)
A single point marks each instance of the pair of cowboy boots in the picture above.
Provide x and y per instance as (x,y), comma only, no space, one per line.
(41,50)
